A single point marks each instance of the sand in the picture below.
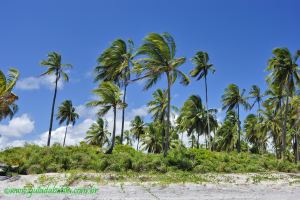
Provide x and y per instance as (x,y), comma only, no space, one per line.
(230,186)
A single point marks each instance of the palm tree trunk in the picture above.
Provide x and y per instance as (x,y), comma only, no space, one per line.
(123,114)
(206,100)
(109,151)
(239,130)
(168,115)
(284,127)
(52,109)
(198,136)
(65,134)
(296,149)
(138,141)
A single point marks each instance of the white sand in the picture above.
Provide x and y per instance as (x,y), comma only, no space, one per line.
(231,186)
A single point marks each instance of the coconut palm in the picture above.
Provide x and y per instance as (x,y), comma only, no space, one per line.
(114,65)
(128,137)
(110,98)
(151,141)
(98,133)
(137,129)
(158,51)
(285,75)
(56,68)
(232,99)
(201,60)
(7,97)
(255,93)
(226,138)
(193,116)
(66,113)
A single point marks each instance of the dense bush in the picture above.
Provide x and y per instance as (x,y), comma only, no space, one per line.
(33,159)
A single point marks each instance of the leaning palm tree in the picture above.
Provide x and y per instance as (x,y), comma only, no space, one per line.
(98,133)
(66,113)
(110,98)
(232,99)
(201,71)
(7,97)
(158,51)
(56,68)
(137,129)
(285,75)
(255,93)
(114,65)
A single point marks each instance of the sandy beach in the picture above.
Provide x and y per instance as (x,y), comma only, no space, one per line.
(280,186)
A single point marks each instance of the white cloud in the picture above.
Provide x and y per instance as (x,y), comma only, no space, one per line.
(35,83)
(141,111)
(17,127)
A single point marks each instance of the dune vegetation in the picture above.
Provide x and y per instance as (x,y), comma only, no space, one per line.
(266,140)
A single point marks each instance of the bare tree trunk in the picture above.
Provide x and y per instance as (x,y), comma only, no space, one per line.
(65,134)
(168,115)
(284,127)
(296,149)
(123,114)
(239,131)
(52,109)
(109,151)
(138,141)
(198,136)
(207,117)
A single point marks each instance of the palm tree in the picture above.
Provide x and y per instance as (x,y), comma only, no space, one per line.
(110,98)
(98,133)
(151,141)
(128,137)
(55,67)
(191,115)
(66,113)
(158,51)
(233,98)
(114,65)
(256,94)
(137,129)
(226,138)
(7,97)
(295,125)
(158,109)
(285,75)
(201,70)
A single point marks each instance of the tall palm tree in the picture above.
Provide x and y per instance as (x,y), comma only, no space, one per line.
(255,93)
(66,113)
(158,51)
(110,98)
(295,125)
(98,133)
(7,97)
(56,68)
(285,75)
(201,60)
(137,129)
(114,65)
(232,99)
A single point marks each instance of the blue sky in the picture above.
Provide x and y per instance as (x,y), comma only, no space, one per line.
(239,36)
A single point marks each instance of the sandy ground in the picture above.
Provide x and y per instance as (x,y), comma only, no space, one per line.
(229,186)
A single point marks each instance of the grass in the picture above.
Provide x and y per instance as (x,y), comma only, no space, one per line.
(33,159)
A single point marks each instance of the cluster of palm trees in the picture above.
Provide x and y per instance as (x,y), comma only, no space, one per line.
(275,124)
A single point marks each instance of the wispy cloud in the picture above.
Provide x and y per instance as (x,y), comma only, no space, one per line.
(35,83)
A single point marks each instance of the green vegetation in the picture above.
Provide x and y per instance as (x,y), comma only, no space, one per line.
(33,159)
(230,145)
